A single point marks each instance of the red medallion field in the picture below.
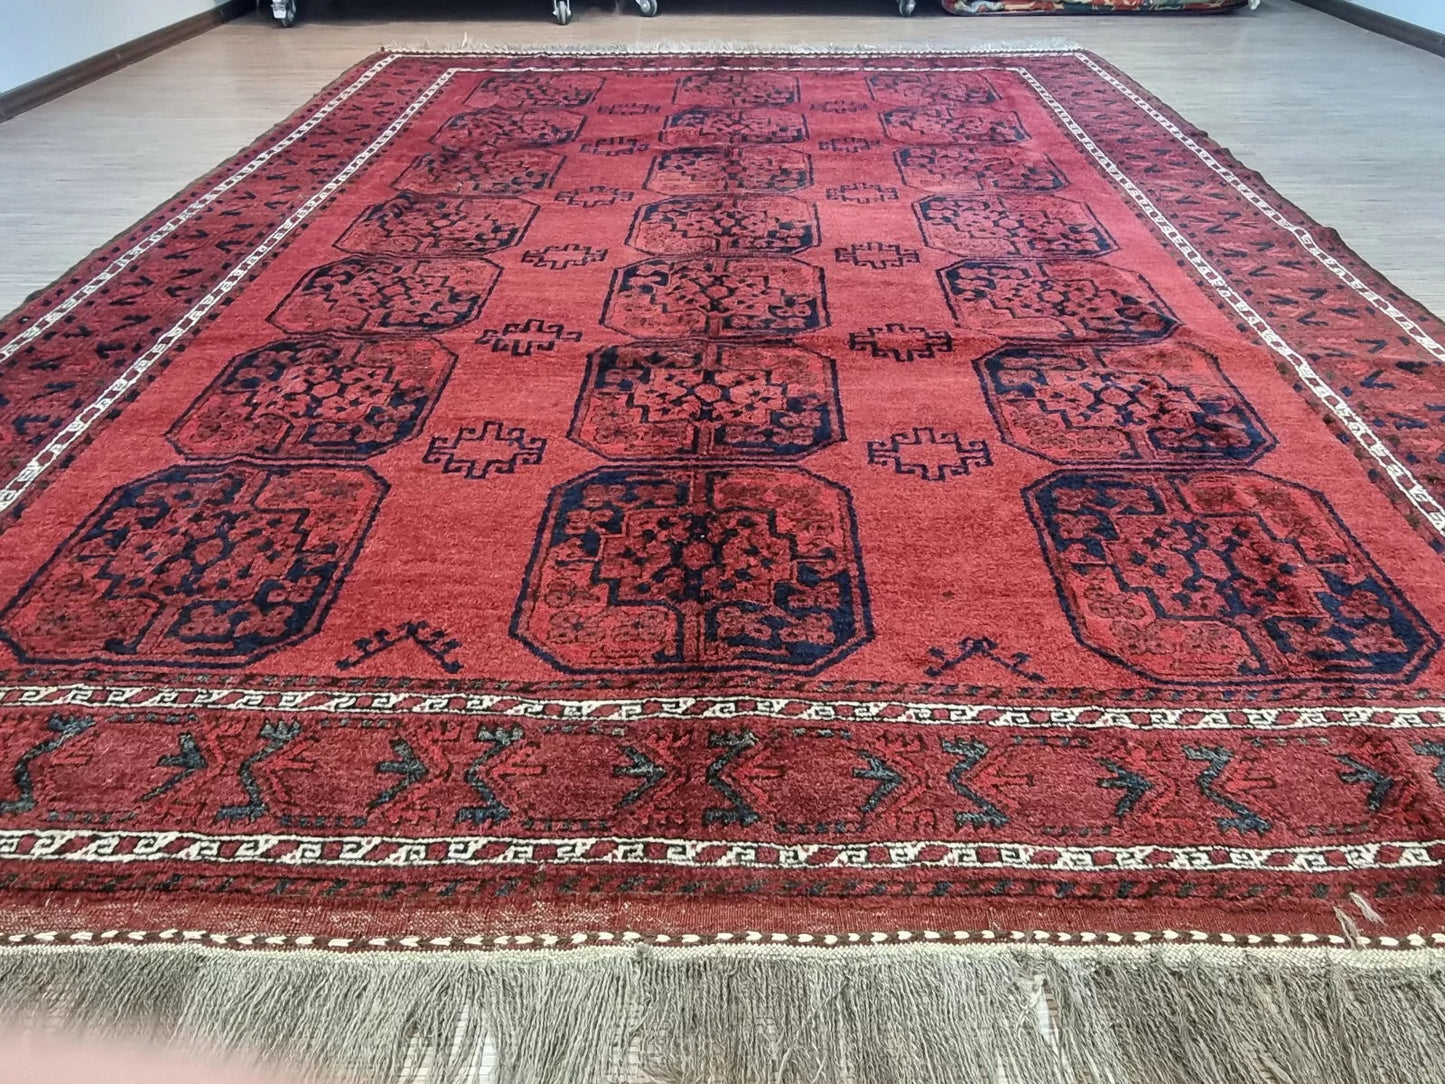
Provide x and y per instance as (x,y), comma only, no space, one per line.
(717,493)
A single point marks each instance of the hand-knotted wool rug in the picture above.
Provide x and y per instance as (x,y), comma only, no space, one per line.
(730,568)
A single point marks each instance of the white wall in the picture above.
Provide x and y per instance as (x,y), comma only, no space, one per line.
(1427,13)
(38,37)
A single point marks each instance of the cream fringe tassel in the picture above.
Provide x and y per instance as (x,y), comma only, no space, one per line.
(768,1014)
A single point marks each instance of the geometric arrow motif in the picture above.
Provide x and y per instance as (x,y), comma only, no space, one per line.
(189,760)
(1379,783)
(986,815)
(407,765)
(1244,819)
(1134,785)
(638,766)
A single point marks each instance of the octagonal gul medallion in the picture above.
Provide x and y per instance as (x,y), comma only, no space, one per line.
(490,129)
(710,170)
(735,88)
(1221,577)
(686,400)
(656,569)
(480,173)
(952,123)
(985,167)
(410,224)
(702,125)
(716,296)
(1038,227)
(1162,403)
(546,90)
(216,565)
(725,224)
(931,88)
(381,294)
(315,397)
(1057,299)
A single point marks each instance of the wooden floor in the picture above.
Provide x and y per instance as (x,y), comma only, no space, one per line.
(1347,124)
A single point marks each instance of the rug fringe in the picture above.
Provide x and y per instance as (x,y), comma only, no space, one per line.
(765,1014)
(467,46)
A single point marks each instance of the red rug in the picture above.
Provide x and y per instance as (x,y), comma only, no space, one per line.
(547,501)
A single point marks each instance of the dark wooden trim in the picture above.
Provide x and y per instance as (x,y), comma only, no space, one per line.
(1432,41)
(37,92)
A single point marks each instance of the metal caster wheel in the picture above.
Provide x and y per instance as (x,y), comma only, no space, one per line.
(562,11)
(647,7)
(906,7)
(284,12)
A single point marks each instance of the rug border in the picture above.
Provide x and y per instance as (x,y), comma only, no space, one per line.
(1292,945)
(184,197)
(327,94)
(1333,245)
(1229,160)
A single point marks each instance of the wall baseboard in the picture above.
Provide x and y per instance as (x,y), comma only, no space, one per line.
(1431,41)
(47,87)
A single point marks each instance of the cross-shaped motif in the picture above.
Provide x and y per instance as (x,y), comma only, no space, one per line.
(876,254)
(495,449)
(521,339)
(594,195)
(561,257)
(902,342)
(863,193)
(934,457)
